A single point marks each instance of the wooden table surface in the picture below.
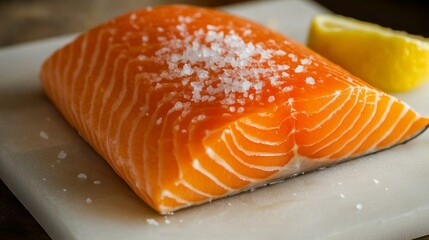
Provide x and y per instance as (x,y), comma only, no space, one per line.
(26,20)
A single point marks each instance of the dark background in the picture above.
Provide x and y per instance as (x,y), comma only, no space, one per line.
(26,20)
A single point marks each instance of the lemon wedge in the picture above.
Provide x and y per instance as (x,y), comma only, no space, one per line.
(392,61)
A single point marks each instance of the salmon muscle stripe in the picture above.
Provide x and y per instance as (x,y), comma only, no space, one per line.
(191,104)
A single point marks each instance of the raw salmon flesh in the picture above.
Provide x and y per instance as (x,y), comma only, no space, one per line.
(191,104)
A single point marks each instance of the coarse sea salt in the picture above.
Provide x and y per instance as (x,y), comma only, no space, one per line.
(310,81)
(152,221)
(43,135)
(96,182)
(299,69)
(219,62)
(88,200)
(158,121)
(62,155)
(359,206)
(82,176)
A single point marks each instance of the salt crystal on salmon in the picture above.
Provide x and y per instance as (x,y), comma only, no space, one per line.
(191,104)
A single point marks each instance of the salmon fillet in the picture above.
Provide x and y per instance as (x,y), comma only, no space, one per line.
(192,104)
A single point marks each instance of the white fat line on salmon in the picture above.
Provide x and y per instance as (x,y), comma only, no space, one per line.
(100,77)
(350,127)
(114,110)
(126,113)
(410,124)
(166,128)
(249,122)
(329,117)
(374,128)
(357,134)
(342,118)
(336,94)
(77,70)
(61,83)
(258,140)
(219,160)
(392,127)
(66,90)
(192,188)
(297,165)
(166,193)
(253,153)
(134,124)
(150,124)
(58,81)
(197,166)
(259,167)
(86,81)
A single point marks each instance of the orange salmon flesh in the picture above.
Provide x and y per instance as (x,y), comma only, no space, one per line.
(191,104)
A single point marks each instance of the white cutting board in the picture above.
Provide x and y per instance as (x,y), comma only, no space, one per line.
(382,196)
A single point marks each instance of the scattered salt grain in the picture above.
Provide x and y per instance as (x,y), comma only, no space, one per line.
(271,99)
(232,109)
(44,179)
(201,117)
(149,8)
(180,220)
(359,206)
(340,183)
(44,135)
(160,29)
(342,195)
(309,80)
(178,106)
(305,61)
(158,121)
(376,181)
(142,57)
(62,155)
(184,131)
(82,176)
(349,79)
(187,70)
(240,110)
(64,189)
(97,182)
(299,69)
(293,57)
(152,221)
(280,53)
(283,67)
(145,39)
(88,200)
(247,32)
(167,221)
(229,204)
(285,74)
(387,188)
